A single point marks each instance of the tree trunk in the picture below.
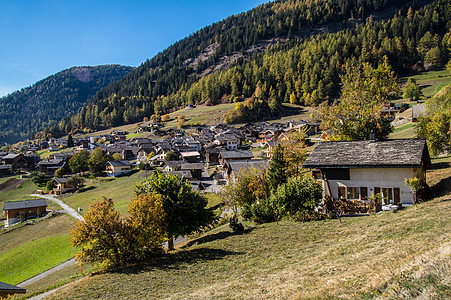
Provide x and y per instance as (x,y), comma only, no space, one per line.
(171,244)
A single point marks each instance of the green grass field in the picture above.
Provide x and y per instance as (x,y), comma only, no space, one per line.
(433,81)
(357,258)
(32,249)
(119,189)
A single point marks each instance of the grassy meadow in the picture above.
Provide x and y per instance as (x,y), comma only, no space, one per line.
(32,249)
(120,189)
(395,255)
(21,192)
(432,82)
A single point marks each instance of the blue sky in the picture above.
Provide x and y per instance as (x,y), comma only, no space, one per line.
(41,38)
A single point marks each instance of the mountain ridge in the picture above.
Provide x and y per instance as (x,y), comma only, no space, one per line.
(30,109)
(187,73)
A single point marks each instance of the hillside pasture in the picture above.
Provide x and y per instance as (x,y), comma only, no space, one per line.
(120,189)
(432,82)
(29,250)
(404,254)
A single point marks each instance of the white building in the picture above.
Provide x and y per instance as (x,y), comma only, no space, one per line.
(357,170)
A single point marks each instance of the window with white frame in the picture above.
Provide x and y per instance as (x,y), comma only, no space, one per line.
(353,193)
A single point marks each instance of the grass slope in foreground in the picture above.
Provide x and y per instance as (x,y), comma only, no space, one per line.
(393,255)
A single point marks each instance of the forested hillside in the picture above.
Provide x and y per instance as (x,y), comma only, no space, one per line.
(224,62)
(29,110)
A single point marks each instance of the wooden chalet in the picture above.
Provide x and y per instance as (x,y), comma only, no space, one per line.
(118,168)
(61,185)
(234,156)
(7,291)
(17,211)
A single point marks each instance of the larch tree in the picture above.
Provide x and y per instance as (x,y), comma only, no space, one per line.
(277,171)
(364,93)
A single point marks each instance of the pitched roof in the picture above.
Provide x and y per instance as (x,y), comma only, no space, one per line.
(408,153)
(8,288)
(237,154)
(119,163)
(24,204)
(258,164)
(173,163)
(60,180)
(192,166)
(11,156)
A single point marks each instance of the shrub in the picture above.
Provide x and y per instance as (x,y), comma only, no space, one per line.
(300,196)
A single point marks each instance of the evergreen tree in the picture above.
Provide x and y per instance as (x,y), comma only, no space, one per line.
(277,168)
(70,141)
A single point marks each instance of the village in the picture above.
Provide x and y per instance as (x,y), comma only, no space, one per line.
(209,156)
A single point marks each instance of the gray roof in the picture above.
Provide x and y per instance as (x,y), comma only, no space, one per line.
(407,153)
(24,204)
(237,154)
(192,166)
(258,164)
(180,174)
(8,288)
(119,163)
(60,180)
(11,156)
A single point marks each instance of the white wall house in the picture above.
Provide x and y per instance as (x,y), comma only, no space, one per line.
(117,168)
(357,170)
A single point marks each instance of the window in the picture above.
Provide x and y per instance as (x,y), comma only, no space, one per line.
(353,193)
(387,195)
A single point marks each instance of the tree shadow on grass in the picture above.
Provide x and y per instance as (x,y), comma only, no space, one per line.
(290,111)
(440,165)
(216,236)
(176,260)
(85,189)
(441,188)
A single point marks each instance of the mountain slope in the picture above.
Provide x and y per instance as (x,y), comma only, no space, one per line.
(24,112)
(163,83)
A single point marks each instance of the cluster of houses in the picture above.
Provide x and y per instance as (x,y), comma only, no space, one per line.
(208,146)
(352,170)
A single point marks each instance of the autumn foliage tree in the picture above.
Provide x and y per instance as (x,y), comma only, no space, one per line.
(145,225)
(100,236)
(294,151)
(436,125)
(79,161)
(364,93)
(106,238)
